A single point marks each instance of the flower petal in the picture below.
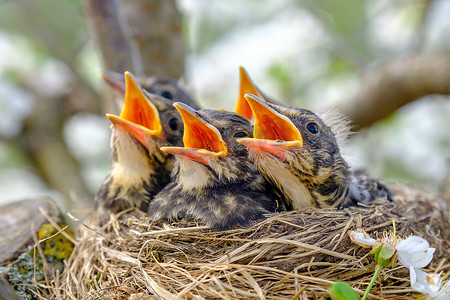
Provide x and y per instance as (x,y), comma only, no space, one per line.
(434,284)
(418,280)
(414,251)
(431,285)
(444,291)
(413,242)
(361,238)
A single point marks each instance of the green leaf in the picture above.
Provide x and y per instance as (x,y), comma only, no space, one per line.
(342,291)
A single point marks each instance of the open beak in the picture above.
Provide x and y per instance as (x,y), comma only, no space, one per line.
(139,116)
(273,132)
(246,86)
(115,80)
(201,140)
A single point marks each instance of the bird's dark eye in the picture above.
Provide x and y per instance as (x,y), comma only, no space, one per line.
(313,128)
(173,123)
(167,95)
(240,135)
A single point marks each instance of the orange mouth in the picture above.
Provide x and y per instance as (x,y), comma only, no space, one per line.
(277,148)
(273,132)
(139,116)
(271,125)
(201,139)
(139,132)
(246,86)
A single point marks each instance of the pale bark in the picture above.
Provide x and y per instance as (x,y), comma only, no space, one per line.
(155,28)
(109,30)
(18,219)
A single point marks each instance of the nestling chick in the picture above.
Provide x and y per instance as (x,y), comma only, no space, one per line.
(213,180)
(140,169)
(299,153)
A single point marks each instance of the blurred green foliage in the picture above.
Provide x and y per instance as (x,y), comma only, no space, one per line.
(55,27)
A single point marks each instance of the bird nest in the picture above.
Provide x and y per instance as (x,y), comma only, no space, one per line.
(292,255)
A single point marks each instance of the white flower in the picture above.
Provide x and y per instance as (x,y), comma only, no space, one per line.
(412,251)
(431,285)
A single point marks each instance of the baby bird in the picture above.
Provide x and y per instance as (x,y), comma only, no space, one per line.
(140,169)
(299,153)
(213,180)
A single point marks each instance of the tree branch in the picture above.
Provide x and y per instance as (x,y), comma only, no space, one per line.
(111,36)
(395,84)
(156,30)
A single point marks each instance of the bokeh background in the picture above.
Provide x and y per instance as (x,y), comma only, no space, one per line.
(54,137)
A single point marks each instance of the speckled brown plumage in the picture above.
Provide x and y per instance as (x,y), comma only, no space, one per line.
(312,173)
(140,169)
(134,177)
(223,192)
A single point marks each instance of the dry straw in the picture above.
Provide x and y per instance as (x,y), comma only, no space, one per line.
(294,255)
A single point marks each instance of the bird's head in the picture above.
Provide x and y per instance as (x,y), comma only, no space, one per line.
(210,151)
(294,142)
(139,117)
(293,135)
(151,108)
